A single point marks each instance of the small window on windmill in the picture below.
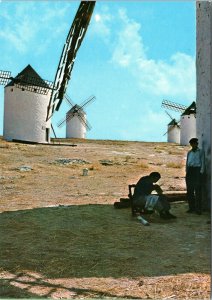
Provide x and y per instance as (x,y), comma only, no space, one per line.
(11,90)
(22,89)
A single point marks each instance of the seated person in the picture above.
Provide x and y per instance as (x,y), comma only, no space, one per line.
(143,199)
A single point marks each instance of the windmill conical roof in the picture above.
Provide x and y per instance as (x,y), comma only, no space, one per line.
(173,123)
(29,76)
(190,109)
(76,108)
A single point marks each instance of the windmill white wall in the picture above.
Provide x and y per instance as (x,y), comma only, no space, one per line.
(74,127)
(173,135)
(204,87)
(188,128)
(25,116)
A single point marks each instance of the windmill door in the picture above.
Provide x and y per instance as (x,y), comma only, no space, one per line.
(47,134)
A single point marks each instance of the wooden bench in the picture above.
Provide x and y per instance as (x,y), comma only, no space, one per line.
(173,196)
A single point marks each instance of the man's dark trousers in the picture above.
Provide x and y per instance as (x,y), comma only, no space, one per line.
(193,184)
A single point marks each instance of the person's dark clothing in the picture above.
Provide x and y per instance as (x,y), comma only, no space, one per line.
(143,187)
(193,185)
(142,198)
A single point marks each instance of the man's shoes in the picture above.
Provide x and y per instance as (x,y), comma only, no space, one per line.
(190,211)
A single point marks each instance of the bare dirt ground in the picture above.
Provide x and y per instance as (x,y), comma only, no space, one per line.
(61,237)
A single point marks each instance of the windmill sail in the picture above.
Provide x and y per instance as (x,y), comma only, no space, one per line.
(72,44)
(4,77)
(68,100)
(76,110)
(84,122)
(87,101)
(173,106)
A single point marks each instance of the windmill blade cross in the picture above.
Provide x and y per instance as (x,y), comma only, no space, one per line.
(76,110)
(71,115)
(87,101)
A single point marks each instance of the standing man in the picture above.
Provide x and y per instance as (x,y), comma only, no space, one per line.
(195,167)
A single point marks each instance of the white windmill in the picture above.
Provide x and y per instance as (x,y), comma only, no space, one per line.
(187,120)
(26,99)
(76,119)
(173,130)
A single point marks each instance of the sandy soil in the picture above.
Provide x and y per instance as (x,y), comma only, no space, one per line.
(61,237)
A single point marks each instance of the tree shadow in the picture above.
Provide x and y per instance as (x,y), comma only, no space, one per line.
(19,286)
(7,290)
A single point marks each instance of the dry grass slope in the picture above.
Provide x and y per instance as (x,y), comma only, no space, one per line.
(61,237)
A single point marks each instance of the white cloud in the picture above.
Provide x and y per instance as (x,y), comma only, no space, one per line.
(173,78)
(24,27)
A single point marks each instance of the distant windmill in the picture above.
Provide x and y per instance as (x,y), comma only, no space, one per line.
(173,132)
(75,119)
(187,119)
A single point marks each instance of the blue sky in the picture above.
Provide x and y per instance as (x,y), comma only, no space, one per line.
(134,55)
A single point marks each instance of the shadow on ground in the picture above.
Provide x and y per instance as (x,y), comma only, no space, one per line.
(98,241)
